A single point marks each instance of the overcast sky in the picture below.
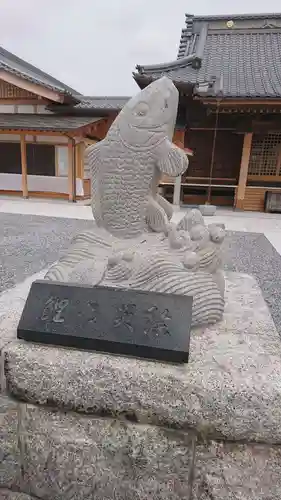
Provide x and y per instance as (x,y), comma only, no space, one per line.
(94,45)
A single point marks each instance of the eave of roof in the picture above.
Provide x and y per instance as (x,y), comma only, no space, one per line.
(14,65)
(238,63)
(48,123)
(114,103)
(92,106)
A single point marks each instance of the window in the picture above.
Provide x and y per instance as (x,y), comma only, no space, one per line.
(265,156)
(40,159)
(10,156)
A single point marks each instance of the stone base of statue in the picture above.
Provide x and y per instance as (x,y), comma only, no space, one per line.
(185,260)
(78,424)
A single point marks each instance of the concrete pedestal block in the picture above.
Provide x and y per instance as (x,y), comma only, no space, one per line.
(10,460)
(237,471)
(119,441)
(230,388)
(69,456)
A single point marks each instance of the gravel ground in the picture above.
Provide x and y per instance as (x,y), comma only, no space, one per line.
(29,243)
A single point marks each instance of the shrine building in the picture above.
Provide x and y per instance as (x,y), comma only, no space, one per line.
(228,73)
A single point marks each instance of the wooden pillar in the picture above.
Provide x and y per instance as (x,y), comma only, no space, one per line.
(178,140)
(71,171)
(246,152)
(23,166)
(80,160)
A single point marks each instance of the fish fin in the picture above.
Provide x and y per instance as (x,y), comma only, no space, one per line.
(173,160)
(165,205)
(156,217)
(92,159)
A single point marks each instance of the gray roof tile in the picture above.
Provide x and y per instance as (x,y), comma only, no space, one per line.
(13,64)
(246,62)
(104,103)
(44,122)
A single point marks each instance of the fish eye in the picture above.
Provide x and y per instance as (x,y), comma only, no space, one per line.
(141,109)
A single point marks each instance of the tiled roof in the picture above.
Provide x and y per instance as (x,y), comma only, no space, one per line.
(236,63)
(44,122)
(243,17)
(103,103)
(13,64)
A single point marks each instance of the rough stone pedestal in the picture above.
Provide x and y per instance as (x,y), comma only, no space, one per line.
(82,425)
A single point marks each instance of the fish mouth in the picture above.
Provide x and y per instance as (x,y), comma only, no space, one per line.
(151,127)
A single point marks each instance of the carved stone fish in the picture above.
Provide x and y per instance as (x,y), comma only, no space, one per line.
(127,165)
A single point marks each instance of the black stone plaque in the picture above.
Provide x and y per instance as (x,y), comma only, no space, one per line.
(130,322)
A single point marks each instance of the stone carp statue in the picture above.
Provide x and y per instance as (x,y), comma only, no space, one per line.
(134,244)
(127,165)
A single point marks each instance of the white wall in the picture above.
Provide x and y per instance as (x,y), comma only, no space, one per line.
(13,182)
(7,108)
(9,137)
(52,138)
(25,108)
(62,160)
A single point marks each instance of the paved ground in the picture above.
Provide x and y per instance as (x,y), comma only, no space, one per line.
(251,222)
(29,243)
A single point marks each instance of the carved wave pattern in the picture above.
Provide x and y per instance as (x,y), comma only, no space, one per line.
(151,271)
(157,274)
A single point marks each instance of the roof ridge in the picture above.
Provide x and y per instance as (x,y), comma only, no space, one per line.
(177,63)
(100,97)
(266,15)
(38,71)
(186,35)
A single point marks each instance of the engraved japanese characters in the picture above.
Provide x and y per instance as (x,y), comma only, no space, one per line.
(135,244)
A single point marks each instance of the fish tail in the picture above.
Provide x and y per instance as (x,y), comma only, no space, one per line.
(168,207)
(156,217)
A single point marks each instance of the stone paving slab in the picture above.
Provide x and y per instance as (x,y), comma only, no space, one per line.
(68,456)
(10,471)
(230,389)
(237,472)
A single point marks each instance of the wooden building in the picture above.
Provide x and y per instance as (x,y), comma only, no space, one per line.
(228,72)
(41,145)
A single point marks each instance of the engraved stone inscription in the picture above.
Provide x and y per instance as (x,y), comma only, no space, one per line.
(124,317)
(127,322)
(94,308)
(157,322)
(53,309)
